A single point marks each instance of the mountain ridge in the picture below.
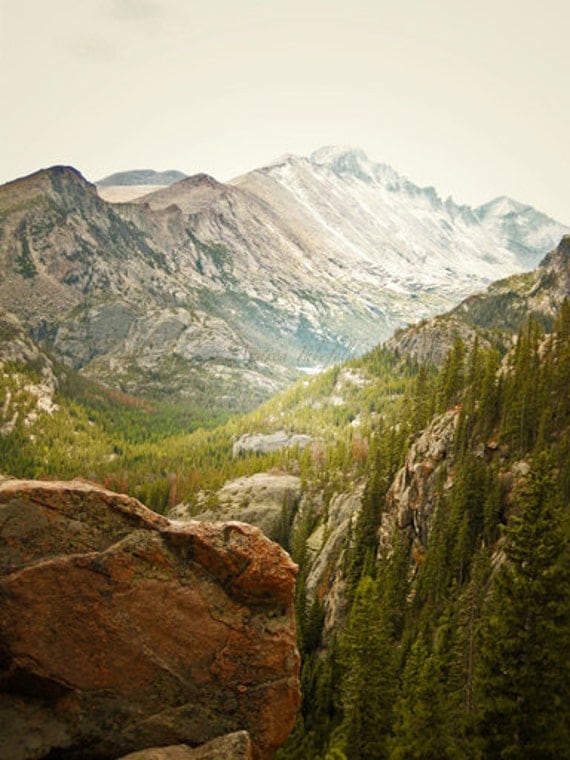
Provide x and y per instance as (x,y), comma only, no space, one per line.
(142,177)
(236,286)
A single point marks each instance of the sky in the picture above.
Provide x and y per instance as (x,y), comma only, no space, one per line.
(470,97)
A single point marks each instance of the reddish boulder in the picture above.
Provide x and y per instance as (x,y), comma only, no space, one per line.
(121,630)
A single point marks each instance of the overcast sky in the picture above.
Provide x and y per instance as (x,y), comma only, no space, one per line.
(472,97)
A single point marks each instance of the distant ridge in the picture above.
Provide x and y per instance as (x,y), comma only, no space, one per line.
(142,177)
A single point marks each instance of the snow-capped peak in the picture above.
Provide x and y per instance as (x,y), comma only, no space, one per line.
(346,160)
(331,155)
(500,206)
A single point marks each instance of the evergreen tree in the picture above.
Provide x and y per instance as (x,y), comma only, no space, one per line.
(423,711)
(367,655)
(452,376)
(524,676)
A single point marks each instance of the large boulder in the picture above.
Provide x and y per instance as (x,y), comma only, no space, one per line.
(120,630)
(267,500)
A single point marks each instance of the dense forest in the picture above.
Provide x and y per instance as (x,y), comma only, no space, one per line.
(453,638)
(458,648)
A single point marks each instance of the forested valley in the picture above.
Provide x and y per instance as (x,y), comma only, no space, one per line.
(452,618)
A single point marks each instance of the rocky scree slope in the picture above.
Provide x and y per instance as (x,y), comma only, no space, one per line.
(122,630)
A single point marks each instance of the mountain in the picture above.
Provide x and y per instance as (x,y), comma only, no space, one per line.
(120,292)
(524,229)
(142,177)
(123,187)
(496,314)
(427,509)
(221,293)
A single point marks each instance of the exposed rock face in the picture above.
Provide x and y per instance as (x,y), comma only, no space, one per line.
(267,500)
(235,746)
(266,443)
(121,630)
(328,544)
(411,497)
(431,340)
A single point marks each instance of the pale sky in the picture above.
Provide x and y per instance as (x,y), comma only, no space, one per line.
(471,97)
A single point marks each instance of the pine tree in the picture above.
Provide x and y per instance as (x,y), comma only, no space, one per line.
(451,376)
(523,681)
(367,654)
(423,712)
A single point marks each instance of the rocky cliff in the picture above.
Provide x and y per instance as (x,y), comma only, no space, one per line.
(121,630)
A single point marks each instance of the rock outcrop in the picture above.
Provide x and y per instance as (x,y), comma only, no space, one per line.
(236,746)
(412,496)
(260,443)
(267,500)
(121,630)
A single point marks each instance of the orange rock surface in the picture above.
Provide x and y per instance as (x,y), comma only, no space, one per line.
(121,630)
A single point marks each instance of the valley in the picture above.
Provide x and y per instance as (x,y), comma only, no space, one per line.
(420,483)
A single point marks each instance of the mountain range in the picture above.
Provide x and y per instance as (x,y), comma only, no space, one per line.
(222,293)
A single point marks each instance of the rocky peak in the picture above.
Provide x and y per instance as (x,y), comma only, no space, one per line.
(192,195)
(60,183)
(500,207)
(345,160)
(559,258)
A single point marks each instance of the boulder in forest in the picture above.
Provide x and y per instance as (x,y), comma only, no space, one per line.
(267,500)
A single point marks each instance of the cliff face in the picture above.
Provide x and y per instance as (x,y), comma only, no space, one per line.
(121,630)
(411,498)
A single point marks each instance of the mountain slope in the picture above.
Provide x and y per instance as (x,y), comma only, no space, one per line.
(496,313)
(116,292)
(375,220)
(222,292)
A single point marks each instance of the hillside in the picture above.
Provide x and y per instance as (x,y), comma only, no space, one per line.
(220,294)
(496,314)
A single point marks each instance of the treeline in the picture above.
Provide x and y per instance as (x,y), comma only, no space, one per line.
(164,453)
(458,649)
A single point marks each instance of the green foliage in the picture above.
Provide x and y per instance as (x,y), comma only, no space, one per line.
(423,726)
(524,677)
(368,687)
